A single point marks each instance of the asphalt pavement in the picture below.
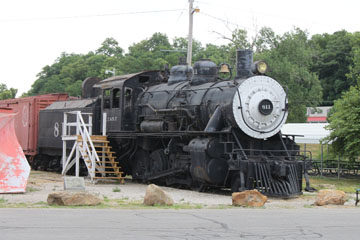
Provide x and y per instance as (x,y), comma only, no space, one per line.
(239,223)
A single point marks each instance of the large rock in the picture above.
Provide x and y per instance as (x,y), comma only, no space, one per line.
(73,199)
(155,195)
(248,198)
(330,196)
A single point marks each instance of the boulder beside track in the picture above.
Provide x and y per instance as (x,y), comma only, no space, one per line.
(69,198)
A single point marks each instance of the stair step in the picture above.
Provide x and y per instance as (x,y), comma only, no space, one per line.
(106,157)
(105,152)
(108,167)
(100,157)
(108,172)
(109,178)
(99,146)
(96,142)
(98,137)
(112,162)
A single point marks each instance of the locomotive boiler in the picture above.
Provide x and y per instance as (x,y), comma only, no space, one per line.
(194,129)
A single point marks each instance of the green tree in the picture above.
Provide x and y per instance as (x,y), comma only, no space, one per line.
(180,43)
(6,93)
(147,54)
(265,39)
(290,60)
(344,124)
(110,47)
(332,59)
(354,70)
(69,70)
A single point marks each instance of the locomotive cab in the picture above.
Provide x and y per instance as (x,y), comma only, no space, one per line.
(119,95)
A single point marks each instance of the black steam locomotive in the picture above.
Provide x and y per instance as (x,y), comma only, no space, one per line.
(191,128)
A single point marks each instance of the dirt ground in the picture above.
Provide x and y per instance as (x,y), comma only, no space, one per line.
(40,184)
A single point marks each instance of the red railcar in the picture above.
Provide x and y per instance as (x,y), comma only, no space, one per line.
(27,118)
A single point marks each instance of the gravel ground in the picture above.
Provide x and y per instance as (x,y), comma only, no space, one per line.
(40,184)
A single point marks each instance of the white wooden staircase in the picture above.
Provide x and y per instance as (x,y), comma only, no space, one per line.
(93,149)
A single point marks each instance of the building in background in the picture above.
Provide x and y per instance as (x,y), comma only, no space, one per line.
(317,114)
(307,133)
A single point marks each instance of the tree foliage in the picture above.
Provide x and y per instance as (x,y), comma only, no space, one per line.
(289,56)
(6,93)
(331,63)
(344,124)
(325,65)
(354,70)
(290,60)
(110,47)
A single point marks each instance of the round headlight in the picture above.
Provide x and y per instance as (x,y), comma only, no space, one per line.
(260,67)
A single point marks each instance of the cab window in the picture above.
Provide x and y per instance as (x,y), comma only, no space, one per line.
(106,98)
(116,98)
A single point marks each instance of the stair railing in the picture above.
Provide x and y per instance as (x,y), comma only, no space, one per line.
(86,138)
(84,130)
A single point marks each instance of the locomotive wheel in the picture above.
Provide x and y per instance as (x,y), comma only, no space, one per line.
(197,186)
(238,182)
(139,165)
(235,183)
(158,161)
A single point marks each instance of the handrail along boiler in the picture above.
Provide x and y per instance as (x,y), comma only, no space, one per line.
(197,130)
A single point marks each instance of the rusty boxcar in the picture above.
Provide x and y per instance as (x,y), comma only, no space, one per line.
(27,118)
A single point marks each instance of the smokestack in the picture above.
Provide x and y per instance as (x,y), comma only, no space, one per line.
(244,60)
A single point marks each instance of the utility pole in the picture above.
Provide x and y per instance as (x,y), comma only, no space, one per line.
(191,13)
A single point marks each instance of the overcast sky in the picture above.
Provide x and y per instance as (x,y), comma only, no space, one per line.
(35,32)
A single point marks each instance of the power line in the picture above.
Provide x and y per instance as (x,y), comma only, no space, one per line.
(227,22)
(90,16)
(250,11)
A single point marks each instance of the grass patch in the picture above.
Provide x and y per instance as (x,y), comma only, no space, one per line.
(315,149)
(22,205)
(31,189)
(116,189)
(343,184)
(308,206)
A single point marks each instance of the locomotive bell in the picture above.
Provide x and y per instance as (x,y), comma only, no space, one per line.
(224,68)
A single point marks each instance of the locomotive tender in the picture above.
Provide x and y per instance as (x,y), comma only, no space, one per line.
(195,130)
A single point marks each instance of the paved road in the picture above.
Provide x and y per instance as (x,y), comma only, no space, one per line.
(51,224)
